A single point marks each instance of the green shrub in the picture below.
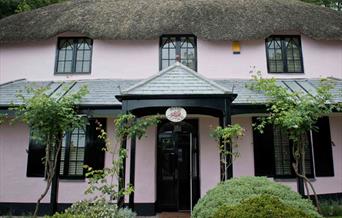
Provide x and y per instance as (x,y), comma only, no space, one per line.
(263,206)
(331,208)
(98,209)
(66,215)
(233,191)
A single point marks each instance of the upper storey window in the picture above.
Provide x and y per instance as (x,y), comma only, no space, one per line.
(284,54)
(180,48)
(74,55)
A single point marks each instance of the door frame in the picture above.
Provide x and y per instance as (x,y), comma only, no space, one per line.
(194,122)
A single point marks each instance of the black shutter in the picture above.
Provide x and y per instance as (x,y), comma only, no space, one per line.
(35,165)
(324,165)
(263,151)
(94,155)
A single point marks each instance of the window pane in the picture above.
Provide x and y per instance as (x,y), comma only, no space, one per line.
(184,62)
(61,55)
(273,66)
(86,66)
(86,55)
(278,54)
(79,55)
(280,66)
(165,63)
(191,64)
(298,67)
(68,65)
(291,66)
(61,169)
(68,55)
(81,141)
(60,67)
(79,66)
(72,168)
(165,53)
(282,153)
(172,53)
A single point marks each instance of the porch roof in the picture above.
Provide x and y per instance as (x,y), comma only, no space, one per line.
(102,92)
(177,79)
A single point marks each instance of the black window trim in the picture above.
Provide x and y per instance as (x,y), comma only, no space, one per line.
(30,174)
(284,59)
(177,37)
(293,175)
(74,56)
(67,158)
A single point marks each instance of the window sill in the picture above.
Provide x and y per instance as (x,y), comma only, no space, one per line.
(72,179)
(285,72)
(71,73)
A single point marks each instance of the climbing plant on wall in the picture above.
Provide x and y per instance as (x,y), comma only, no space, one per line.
(227,137)
(297,113)
(102,184)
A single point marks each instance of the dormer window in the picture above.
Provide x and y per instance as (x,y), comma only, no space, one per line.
(284,54)
(180,48)
(74,55)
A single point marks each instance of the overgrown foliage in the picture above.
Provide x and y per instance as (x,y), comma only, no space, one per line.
(331,208)
(232,192)
(97,209)
(296,113)
(9,7)
(228,136)
(261,206)
(49,118)
(334,4)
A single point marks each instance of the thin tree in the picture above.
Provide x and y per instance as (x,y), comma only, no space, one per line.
(49,118)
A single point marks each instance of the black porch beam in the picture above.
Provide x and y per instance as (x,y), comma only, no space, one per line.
(132,171)
(122,171)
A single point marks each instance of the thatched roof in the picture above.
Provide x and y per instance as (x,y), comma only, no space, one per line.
(148,19)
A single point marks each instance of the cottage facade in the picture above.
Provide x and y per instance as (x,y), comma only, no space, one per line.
(199,59)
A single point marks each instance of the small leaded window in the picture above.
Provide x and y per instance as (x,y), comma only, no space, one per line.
(72,153)
(283,154)
(178,48)
(284,54)
(74,55)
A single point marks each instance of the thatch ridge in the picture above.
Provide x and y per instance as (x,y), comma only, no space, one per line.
(148,19)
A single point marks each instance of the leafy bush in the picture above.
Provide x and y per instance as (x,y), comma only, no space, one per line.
(233,191)
(97,209)
(263,206)
(331,208)
(66,215)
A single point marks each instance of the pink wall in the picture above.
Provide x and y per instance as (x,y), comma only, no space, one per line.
(209,155)
(140,59)
(15,186)
(242,164)
(146,168)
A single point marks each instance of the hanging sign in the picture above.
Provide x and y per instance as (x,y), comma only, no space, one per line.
(175,114)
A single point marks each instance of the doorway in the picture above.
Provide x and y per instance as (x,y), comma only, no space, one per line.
(177,179)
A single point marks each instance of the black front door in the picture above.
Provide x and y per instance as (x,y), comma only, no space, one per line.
(176,141)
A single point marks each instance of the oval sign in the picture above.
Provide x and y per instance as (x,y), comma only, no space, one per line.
(175,114)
